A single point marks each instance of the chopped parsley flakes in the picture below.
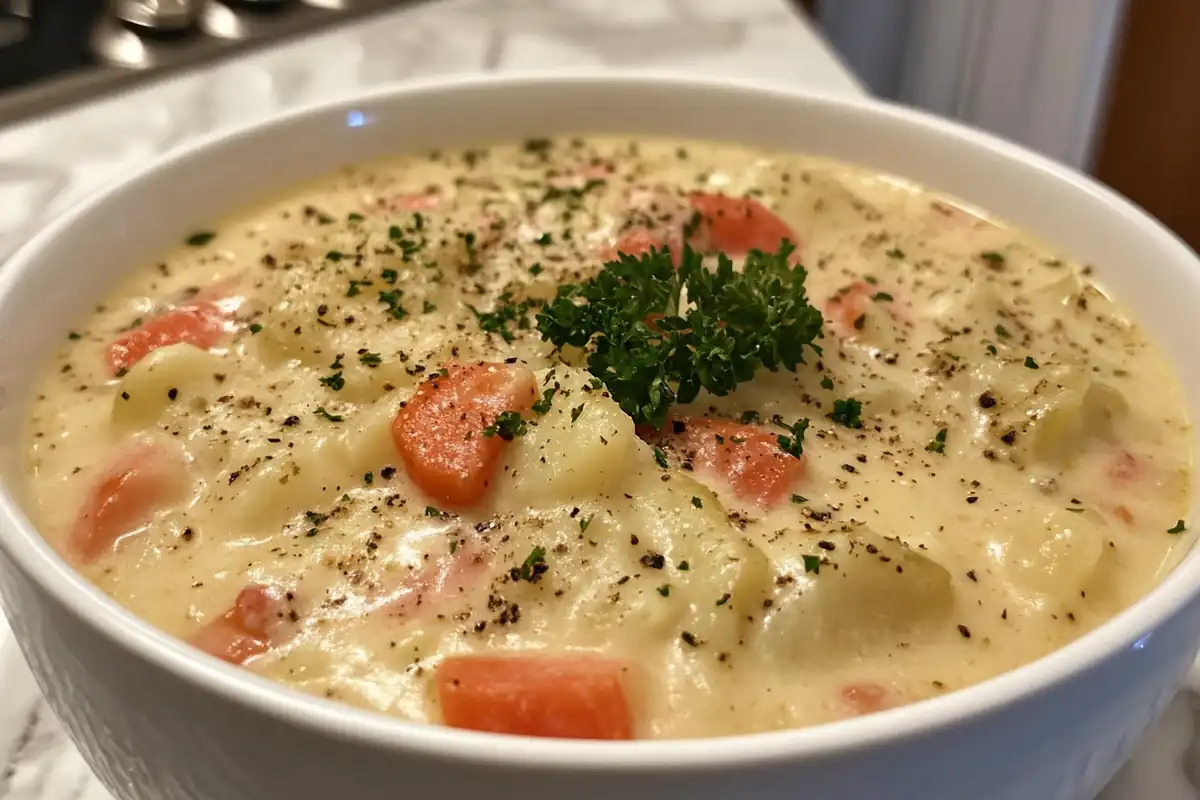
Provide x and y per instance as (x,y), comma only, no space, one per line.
(508,425)
(847,413)
(200,238)
(533,567)
(321,412)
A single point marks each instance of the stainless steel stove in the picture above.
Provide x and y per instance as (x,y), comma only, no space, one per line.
(56,52)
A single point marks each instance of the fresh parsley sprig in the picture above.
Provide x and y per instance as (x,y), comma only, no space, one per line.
(652,354)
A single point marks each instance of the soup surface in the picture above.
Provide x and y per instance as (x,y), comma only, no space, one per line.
(450,437)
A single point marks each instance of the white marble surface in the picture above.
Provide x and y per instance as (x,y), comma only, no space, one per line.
(49,163)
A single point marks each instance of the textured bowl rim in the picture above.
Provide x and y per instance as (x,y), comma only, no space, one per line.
(33,555)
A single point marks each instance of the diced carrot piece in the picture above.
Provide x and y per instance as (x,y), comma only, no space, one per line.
(847,306)
(201,325)
(747,457)
(565,697)
(863,697)
(452,574)
(740,224)
(640,241)
(440,431)
(1124,514)
(415,201)
(138,482)
(1124,468)
(244,631)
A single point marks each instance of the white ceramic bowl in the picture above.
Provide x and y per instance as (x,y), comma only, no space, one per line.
(158,720)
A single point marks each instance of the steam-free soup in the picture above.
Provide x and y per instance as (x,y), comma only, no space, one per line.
(467,437)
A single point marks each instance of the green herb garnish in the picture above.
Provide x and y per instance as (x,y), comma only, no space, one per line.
(200,238)
(793,443)
(255,327)
(938,444)
(392,301)
(660,458)
(370,359)
(736,323)
(543,406)
(534,565)
(812,564)
(331,417)
(508,425)
(505,313)
(1179,527)
(1030,363)
(847,413)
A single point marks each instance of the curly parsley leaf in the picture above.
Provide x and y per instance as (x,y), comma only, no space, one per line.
(508,425)
(652,353)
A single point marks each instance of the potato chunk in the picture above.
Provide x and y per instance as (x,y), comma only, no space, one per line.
(165,376)
(866,590)
(579,448)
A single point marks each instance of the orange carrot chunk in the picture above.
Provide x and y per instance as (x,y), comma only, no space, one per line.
(565,697)
(845,309)
(746,456)
(863,697)
(740,224)
(440,432)
(243,631)
(139,481)
(201,325)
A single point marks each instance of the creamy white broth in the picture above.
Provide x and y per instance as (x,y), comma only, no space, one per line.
(1022,459)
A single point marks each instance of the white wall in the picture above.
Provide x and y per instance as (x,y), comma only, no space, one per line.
(1032,70)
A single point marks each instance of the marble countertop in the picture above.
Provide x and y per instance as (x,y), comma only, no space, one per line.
(48,163)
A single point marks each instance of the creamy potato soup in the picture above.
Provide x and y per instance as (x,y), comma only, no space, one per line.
(614,438)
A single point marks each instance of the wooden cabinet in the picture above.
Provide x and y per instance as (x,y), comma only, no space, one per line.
(1149,142)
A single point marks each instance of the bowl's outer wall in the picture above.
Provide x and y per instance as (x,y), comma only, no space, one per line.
(150,732)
